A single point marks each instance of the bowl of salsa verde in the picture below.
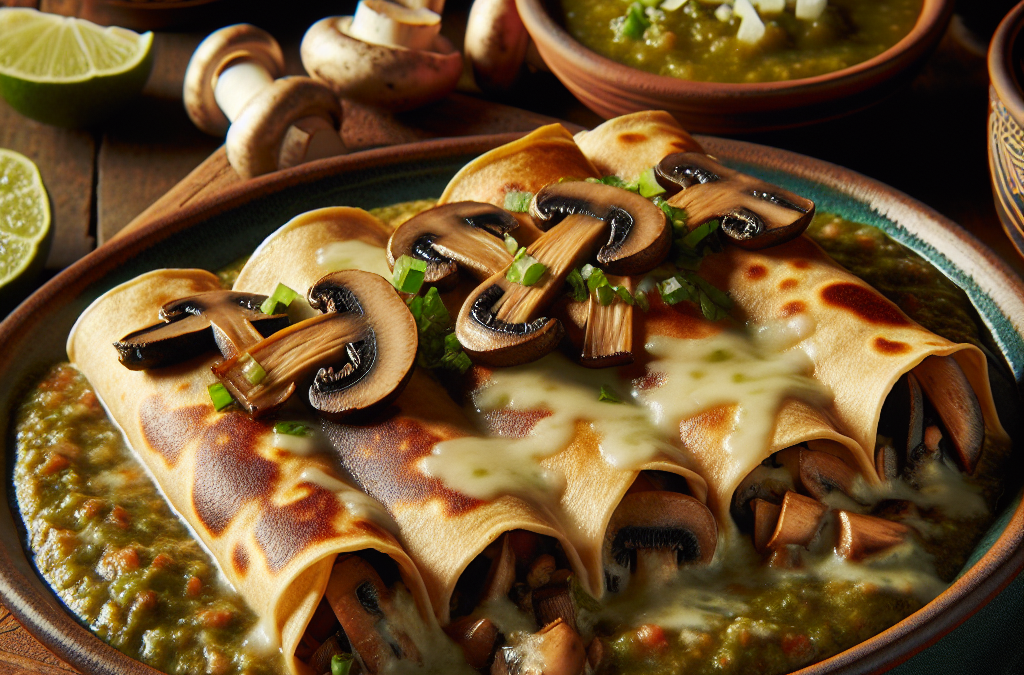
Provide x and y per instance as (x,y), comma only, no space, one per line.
(734,66)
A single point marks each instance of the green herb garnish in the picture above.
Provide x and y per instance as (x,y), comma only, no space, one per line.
(647,184)
(624,294)
(341,664)
(641,301)
(511,245)
(605,294)
(675,290)
(525,269)
(578,286)
(608,395)
(220,396)
(291,429)
(635,23)
(252,370)
(282,294)
(518,202)
(438,347)
(408,274)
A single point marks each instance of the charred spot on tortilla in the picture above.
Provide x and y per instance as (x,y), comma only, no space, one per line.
(885,346)
(168,431)
(864,303)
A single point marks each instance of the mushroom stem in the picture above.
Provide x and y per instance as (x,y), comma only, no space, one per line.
(238,84)
(861,536)
(800,519)
(608,337)
(766,519)
(386,23)
(502,573)
(310,138)
(363,606)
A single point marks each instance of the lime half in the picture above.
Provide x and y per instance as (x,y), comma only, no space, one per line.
(67,71)
(24,226)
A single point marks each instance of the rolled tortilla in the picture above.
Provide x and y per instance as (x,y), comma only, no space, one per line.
(274,521)
(859,341)
(628,145)
(568,491)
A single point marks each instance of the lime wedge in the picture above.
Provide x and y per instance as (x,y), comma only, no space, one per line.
(69,72)
(24,226)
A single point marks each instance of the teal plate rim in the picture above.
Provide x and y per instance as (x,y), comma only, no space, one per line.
(214,231)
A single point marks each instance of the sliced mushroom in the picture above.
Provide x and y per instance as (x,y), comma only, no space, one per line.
(754,214)
(501,324)
(948,390)
(320,662)
(800,518)
(478,639)
(769,481)
(225,320)
(887,462)
(821,472)
(391,76)
(652,533)
(556,649)
(595,654)
(861,536)
(502,573)
(608,336)
(639,236)
(766,518)
(902,420)
(554,601)
(466,234)
(363,606)
(366,327)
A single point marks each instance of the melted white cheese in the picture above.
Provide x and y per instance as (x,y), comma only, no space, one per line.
(728,369)
(488,467)
(357,503)
(353,254)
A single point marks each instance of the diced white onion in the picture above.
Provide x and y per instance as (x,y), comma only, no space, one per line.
(723,13)
(672,5)
(810,10)
(771,6)
(751,28)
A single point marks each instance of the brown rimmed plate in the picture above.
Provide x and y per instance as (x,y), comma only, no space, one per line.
(217,231)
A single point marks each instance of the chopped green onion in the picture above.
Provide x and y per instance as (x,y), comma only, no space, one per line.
(608,394)
(605,294)
(624,294)
(220,396)
(341,664)
(519,254)
(526,270)
(511,245)
(518,202)
(451,343)
(433,312)
(641,301)
(586,271)
(595,279)
(408,274)
(673,290)
(291,429)
(282,294)
(700,233)
(648,184)
(253,371)
(636,22)
(579,286)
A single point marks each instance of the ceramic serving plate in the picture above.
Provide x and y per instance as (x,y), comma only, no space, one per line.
(219,230)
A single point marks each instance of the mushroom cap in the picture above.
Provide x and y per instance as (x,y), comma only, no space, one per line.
(254,140)
(639,235)
(495,43)
(189,328)
(393,78)
(219,50)
(754,214)
(662,519)
(386,361)
(469,234)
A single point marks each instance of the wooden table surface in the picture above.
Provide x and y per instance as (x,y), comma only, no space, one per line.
(929,141)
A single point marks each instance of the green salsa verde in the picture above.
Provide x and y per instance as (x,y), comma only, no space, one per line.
(702,40)
(105,539)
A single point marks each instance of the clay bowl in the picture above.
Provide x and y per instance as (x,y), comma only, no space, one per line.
(610,89)
(157,15)
(213,232)
(1006,123)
